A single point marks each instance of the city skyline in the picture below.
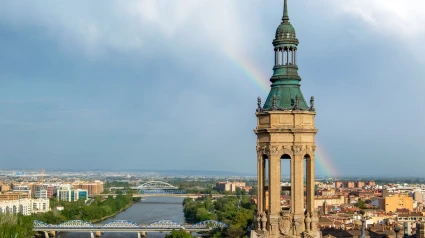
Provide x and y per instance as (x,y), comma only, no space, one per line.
(158,85)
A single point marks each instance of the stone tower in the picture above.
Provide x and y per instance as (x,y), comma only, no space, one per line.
(285,131)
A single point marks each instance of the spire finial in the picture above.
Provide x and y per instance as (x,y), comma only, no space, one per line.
(285,17)
(259,108)
(312,104)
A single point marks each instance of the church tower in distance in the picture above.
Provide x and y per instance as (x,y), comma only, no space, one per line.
(285,131)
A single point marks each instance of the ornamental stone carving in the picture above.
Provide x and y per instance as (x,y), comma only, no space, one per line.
(314,221)
(297,149)
(259,108)
(312,109)
(258,218)
(263,221)
(307,222)
(285,224)
(273,150)
(310,150)
(261,150)
(299,225)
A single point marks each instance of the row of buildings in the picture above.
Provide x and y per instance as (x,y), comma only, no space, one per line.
(25,206)
(388,198)
(352,184)
(34,197)
(68,193)
(47,190)
(232,186)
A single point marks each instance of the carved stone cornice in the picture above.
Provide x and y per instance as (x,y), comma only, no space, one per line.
(286,130)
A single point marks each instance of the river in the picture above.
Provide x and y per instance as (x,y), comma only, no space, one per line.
(146,211)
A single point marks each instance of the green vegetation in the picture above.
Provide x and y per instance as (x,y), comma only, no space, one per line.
(19,226)
(236,211)
(196,187)
(179,234)
(116,184)
(360,204)
(16,226)
(205,186)
(97,210)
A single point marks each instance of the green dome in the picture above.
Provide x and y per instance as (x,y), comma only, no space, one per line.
(285,31)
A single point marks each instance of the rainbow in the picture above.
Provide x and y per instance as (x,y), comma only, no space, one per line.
(261,81)
(252,72)
(324,163)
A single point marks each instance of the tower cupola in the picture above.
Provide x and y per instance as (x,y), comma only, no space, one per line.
(285,80)
(285,33)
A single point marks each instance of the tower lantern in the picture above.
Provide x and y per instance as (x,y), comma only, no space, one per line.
(285,131)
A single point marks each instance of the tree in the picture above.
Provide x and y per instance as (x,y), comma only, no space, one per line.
(95,211)
(179,234)
(237,212)
(16,226)
(360,204)
(253,191)
(240,192)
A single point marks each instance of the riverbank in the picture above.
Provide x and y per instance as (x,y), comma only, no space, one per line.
(150,210)
(112,215)
(97,210)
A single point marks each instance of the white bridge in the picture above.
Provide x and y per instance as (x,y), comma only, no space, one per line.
(126,226)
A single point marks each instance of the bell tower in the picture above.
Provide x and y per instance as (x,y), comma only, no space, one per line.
(285,131)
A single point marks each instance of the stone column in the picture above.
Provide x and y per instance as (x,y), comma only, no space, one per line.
(292,184)
(310,191)
(276,57)
(263,173)
(283,56)
(260,182)
(295,57)
(274,193)
(310,183)
(298,206)
(287,56)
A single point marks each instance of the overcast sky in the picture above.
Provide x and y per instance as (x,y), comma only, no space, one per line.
(160,84)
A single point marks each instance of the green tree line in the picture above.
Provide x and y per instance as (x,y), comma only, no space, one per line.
(236,211)
(19,226)
(95,211)
(16,226)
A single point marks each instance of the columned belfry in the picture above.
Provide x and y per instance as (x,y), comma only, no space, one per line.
(285,131)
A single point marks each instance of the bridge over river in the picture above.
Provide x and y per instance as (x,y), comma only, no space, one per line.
(158,189)
(165,195)
(120,226)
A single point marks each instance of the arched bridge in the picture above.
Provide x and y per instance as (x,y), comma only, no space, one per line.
(158,187)
(126,226)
